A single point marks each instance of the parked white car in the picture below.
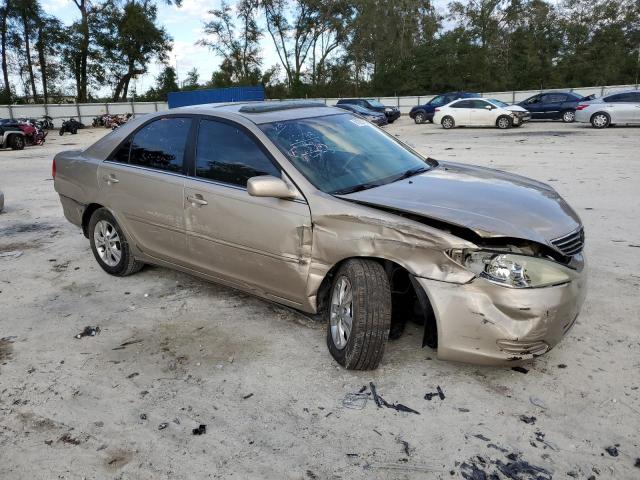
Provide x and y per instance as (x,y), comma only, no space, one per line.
(480,112)
(621,107)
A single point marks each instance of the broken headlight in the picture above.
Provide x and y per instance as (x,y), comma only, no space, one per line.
(511,270)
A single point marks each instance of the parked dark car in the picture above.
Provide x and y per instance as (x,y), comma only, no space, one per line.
(553,106)
(392,113)
(11,135)
(374,117)
(424,113)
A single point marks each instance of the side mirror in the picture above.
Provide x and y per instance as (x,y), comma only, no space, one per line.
(489,107)
(269,186)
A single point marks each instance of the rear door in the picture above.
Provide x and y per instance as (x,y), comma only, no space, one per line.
(623,107)
(255,242)
(143,182)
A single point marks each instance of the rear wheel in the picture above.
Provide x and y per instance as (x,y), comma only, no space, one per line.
(448,122)
(359,314)
(109,245)
(569,116)
(17,142)
(503,122)
(600,120)
(420,117)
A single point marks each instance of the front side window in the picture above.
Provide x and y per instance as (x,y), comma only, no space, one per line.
(479,103)
(161,144)
(225,153)
(340,154)
(533,100)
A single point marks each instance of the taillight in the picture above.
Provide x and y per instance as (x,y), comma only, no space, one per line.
(437,109)
(582,106)
(53,168)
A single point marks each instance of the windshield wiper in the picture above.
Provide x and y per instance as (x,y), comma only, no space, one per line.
(411,172)
(356,188)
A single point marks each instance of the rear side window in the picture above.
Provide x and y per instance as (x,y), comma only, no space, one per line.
(226,153)
(159,145)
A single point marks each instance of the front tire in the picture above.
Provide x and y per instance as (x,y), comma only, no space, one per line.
(110,246)
(359,314)
(569,116)
(503,122)
(600,120)
(448,122)
(419,118)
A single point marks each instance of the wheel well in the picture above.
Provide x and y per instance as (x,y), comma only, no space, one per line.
(406,302)
(86,216)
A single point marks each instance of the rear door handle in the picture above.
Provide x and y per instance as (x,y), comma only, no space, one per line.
(197,200)
(110,179)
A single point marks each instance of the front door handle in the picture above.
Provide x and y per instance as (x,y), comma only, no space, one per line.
(197,200)
(110,179)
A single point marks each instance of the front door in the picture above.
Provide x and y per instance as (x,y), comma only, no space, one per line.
(254,242)
(143,184)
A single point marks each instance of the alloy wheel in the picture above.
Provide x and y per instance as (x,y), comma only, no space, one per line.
(568,117)
(341,314)
(107,243)
(600,120)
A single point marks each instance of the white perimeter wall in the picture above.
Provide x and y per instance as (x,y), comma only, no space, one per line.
(87,111)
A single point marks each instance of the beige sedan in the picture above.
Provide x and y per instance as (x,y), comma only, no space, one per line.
(315,208)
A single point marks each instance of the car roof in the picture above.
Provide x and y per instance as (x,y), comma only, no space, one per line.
(629,90)
(263,112)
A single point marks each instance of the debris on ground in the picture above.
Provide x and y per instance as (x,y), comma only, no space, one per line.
(562,365)
(133,375)
(529,420)
(381,402)
(405,446)
(67,438)
(12,254)
(125,344)
(538,402)
(515,468)
(482,437)
(163,425)
(143,416)
(200,430)
(248,396)
(355,401)
(613,450)
(637,464)
(520,369)
(439,393)
(89,331)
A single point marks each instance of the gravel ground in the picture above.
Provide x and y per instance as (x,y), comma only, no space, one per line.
(174,350)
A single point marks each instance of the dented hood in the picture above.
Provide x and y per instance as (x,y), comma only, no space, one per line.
(489,202)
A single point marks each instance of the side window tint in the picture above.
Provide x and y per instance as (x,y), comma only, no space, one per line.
(437,101)
(161,144)
(225,153)
(534,100)
(479,103)
(122,154)
(463,104)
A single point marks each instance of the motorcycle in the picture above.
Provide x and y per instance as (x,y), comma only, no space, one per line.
(34,135)
(46,122)
(71,126)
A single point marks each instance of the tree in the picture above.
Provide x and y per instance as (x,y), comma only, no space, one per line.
(130,39)
(49,37)
(191,82)
(5,32)
(28,12)
(240,51)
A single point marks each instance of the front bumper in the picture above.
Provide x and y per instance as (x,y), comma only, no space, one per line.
(484,323)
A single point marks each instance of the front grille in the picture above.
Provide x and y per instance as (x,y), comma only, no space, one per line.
(570,244)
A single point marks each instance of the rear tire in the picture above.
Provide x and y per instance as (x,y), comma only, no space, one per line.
(419,118)
(110,246)
(569,116)
(600,120)
(448,122)
(359,314)
(17,142)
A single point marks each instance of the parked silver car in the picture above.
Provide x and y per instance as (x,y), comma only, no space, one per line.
(315,208)
(617,108)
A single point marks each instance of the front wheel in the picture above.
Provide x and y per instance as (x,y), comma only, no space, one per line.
(600,120)
(61,131)
(448,122)
(109,245)
(359,314)
(569,116)
(503,122)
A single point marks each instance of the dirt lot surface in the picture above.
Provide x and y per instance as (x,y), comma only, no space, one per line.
(178,352)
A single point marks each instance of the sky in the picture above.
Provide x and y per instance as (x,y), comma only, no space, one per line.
(185,25)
